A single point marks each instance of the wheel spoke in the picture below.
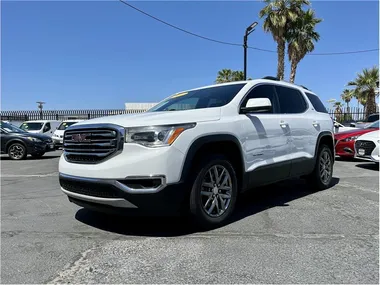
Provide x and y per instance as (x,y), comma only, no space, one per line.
(225,196)
(212,207)
(220,176)
(206,193)
(225,188)
(212,179)
(217,205)
(207,184)
(222,203)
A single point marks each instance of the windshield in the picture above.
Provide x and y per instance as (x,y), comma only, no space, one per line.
(9,128)
(373,118)
(65,125)
(216,96)
(374,125)
(31,126)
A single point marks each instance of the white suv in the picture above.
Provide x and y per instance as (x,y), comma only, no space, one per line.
(198,150)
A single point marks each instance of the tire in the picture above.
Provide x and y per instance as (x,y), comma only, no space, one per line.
(37,155)
(17,151)
(203,198)
(317,179)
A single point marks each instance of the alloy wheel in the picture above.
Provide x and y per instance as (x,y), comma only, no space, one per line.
(216,191)
(325,167)
(16,151)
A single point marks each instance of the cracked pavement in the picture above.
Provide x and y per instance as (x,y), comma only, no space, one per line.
(280,234)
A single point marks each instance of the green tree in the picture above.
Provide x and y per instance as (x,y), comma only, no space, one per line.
(279,14)
(301,38)
(365,85)
(347,96)
(228,75)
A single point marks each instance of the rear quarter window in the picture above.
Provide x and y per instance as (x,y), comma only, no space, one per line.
(316,102)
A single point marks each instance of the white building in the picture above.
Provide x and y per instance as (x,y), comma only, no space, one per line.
(139,106)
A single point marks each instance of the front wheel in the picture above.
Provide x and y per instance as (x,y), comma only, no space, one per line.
(322,174)
(17,151)
(214,192)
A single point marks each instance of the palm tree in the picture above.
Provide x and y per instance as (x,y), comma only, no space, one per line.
(279,14)
(365,88)
(228,75)
(338,111)
(347,96)
(224,75)
(301,38)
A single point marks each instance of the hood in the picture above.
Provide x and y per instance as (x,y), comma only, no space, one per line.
(37,136)
(374,135)
(59,132)
(351,133)
(159,118)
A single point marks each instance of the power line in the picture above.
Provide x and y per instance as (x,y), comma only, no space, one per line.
(235,44)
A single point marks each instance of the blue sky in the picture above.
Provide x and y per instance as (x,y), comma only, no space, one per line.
(101,54)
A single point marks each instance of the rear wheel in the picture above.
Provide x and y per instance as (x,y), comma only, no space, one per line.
(17,151)
(214,192)
(321,177)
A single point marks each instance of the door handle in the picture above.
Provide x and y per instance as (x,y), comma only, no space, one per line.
(283,124)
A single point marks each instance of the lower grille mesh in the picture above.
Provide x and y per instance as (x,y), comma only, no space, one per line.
(90,189)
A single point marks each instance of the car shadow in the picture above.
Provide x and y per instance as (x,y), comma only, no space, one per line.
(250,203)
(30,158)
(369,166)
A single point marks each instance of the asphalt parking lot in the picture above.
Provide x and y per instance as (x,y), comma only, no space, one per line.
(280,234)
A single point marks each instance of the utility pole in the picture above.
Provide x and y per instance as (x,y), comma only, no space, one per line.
(40,106)
(249,30)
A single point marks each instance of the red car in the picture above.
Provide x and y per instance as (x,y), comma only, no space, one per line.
(344,141)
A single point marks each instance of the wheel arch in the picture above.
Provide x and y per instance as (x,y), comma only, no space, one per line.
(327,138)
(215,143)
(12,141)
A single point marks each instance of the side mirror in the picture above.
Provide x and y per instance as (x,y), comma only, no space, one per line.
(257,105)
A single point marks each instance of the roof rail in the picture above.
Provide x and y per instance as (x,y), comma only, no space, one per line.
(271,78)
(304,87)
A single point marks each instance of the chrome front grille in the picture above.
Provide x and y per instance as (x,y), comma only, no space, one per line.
(89,144)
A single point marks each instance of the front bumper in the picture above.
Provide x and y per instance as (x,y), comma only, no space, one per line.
(117,195)
(40,147)
(58,142)
(373,156)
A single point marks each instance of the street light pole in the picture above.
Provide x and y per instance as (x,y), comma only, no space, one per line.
(40,106)
(249,30)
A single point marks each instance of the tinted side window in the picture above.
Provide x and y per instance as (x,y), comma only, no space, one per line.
(291,100)
(317,104)
(263,91)
(47,127)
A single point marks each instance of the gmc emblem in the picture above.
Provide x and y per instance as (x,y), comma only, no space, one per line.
(80,137)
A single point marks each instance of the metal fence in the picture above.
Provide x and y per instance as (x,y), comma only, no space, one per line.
(343,115)
(61,115)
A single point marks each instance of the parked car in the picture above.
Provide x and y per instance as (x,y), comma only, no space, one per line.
(18,143)
(361,124)
(344,141)
(367,147)
(46,127)
(58,134)
(338,128)
(198,150)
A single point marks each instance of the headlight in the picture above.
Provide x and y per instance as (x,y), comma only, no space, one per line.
(349,139)
(156,136)
(34,139)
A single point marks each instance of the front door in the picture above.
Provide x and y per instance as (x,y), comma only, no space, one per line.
(266,140)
